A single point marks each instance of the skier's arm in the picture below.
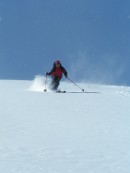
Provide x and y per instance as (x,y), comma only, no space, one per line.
(49,73)
(64,71)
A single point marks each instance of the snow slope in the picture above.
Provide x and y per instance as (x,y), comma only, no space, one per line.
(70,132)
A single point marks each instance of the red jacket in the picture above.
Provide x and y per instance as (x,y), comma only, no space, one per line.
(58,71)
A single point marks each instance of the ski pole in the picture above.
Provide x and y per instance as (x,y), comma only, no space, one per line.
(75,84)
(45,84)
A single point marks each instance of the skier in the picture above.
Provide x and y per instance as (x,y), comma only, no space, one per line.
(56,74)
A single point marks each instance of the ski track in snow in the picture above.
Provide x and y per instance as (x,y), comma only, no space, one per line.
(64,133)
(39,81)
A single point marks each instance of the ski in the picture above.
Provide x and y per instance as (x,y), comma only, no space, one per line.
(60,91)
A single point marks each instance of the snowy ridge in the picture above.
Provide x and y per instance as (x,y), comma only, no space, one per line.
(62,133)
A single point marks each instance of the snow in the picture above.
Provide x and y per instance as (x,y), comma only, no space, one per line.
(73,132)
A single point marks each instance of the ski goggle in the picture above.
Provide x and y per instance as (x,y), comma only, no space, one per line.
(57,64)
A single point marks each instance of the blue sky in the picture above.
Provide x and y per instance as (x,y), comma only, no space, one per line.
(90,37)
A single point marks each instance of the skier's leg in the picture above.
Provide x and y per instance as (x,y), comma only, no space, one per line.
(55,83)
(52,85)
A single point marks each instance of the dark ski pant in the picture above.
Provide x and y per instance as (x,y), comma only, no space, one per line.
(55,83)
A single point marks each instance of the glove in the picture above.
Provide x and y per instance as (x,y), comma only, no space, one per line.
(46,73)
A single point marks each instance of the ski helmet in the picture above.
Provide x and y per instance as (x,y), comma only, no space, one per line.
(57,62)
